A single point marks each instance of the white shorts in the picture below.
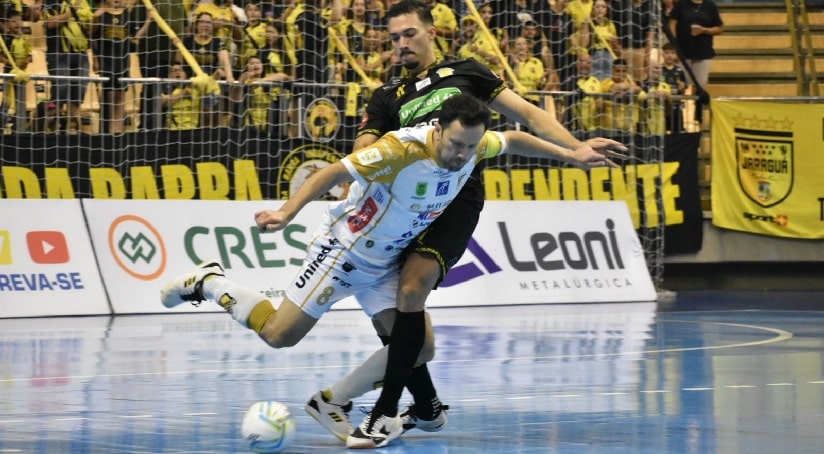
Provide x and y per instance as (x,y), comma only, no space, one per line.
(331,272)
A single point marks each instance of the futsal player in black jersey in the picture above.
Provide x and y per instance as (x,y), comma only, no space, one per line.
(415,100)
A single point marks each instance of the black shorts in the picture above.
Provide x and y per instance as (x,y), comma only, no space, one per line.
(446,239)
(114,68)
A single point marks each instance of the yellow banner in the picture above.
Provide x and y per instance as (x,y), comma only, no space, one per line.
(768,168)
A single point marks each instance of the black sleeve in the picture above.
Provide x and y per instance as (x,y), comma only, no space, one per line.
(486,85)
(716,16)
(379,117)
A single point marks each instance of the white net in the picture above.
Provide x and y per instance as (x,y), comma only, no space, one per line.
(597,66)
(243,100)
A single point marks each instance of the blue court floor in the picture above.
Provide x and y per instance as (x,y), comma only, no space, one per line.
(708,373)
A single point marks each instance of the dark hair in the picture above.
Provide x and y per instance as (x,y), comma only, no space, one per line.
(417,7)
(619,62)
(467,109)
(8,11)
(204,13)
(43,122)
(668,46)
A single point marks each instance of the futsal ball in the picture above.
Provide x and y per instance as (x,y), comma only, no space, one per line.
(268,427)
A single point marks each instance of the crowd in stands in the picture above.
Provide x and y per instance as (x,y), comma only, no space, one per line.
(225,62)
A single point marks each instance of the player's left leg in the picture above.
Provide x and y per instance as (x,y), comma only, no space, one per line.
(331,406)
(407,337)
(434,251)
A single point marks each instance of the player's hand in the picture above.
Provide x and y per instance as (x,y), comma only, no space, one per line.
(271,220)
(586,157)
(597,152)
(607,147)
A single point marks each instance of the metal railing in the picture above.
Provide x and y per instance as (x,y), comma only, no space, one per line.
(562,100)
(803,50)
(21,119)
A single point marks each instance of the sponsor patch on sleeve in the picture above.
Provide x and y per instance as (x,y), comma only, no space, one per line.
(369,156)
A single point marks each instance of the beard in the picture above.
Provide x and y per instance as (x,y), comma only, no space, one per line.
(410,63)
(452,164)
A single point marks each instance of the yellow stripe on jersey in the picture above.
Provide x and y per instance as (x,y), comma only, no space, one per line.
(492,144)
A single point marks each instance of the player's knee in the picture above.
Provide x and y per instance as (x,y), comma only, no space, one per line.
(412,296)
(414,288)
(277,338)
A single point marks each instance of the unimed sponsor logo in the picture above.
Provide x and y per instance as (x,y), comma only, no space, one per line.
(137,247)
(47,247)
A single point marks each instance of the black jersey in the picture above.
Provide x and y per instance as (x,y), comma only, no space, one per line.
(113,32)
(417,100)
(206,54)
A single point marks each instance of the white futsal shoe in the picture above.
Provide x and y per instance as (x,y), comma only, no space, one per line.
(411,420)
(376,431)
(188,288)
(335,418)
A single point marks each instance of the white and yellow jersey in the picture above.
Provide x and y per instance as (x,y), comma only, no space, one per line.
(399,189)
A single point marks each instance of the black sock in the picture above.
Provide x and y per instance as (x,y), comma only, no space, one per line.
(405,345)
(421,387)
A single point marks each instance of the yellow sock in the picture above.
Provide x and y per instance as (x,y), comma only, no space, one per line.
(260,313)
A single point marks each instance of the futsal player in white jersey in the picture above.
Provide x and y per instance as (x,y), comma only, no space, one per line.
(400,184)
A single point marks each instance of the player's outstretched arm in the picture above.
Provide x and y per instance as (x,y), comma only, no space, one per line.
(544,124)
(315,186)
(584,156)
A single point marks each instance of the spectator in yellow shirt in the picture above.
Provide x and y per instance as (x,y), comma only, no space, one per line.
(583,111)
(446,27)
(19,48)
(181,102)
(474,44)
(528,69)
(253,38)
(621,109)
(580,11)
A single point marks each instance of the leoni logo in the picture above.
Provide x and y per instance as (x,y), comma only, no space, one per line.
(590,250)
(137,247)
(584,251)
(47,247)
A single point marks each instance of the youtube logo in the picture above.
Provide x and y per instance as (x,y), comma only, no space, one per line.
(47,247)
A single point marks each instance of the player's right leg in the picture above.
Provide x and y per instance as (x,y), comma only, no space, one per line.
(282,327)
(303,305)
